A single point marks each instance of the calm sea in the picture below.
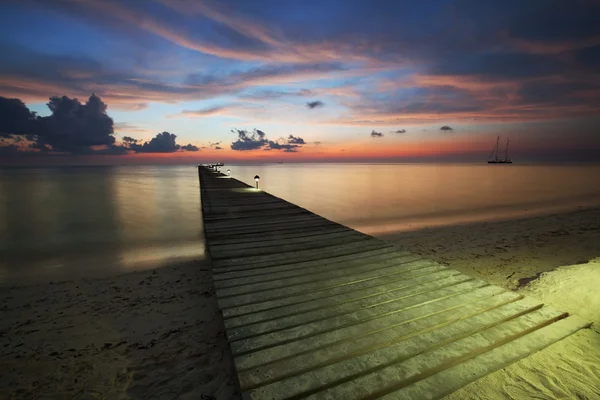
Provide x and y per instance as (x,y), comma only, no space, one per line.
(58,223)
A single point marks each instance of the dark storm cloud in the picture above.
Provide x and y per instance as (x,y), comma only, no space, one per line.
(248,140)
(287,148)
(129,140)
(75,128)
(483,40)
(15,118)
(216,145)
(295,140)
(376,134)
(446,128)
(190,147)
(72,127)
(314,104)
(256,140)
(162,143)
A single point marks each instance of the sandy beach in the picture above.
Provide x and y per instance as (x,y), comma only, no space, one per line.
(154,334)
(553,258)
(158,334)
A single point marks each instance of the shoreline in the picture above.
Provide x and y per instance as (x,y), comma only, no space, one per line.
(159,334)
(509,253)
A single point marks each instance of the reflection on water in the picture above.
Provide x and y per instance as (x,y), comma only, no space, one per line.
(383,198)
(56,223)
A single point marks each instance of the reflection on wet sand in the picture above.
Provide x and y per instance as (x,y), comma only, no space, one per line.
(61,223)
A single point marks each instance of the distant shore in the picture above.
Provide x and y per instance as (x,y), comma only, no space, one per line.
(159,333)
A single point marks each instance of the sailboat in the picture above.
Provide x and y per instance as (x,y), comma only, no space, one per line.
(496,159)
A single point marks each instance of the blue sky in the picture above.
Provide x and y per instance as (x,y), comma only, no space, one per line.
(200,69)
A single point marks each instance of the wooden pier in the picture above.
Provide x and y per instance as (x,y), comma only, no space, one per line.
(314,309)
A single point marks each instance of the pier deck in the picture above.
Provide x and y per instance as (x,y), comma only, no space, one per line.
(314,309)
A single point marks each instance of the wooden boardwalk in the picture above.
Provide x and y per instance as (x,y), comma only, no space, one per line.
(314,309)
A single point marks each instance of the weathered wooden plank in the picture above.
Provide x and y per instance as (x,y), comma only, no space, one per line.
(315,334)
(239,298)
(275,234)
(346,233)
(504,352)
(329,370)
(349,238)
(343,261)
(407,283)
(387,380)
(250,222)
(307,354)
(253,214)
(400,266)
(315,309)
(269,227)
(288,257)
(293,320)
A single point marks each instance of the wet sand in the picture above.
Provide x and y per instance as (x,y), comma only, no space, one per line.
(154,334)
(158,334)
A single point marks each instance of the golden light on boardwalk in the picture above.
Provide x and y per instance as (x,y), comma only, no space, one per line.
(315,309)
(256,179)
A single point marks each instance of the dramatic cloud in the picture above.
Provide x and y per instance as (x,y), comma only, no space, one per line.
(257,140)
(446,128)
(161,143)
(129,140)
(248,140)
(314,104)
(500,63)
(216,145)
(15,118)
(72,127)
(190,147)
(295,140)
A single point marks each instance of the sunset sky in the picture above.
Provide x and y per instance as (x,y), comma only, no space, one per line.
(279,80)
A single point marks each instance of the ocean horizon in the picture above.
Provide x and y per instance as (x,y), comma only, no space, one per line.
(60,223)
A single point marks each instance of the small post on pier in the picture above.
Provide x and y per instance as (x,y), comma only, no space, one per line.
(256,178)
(199,178)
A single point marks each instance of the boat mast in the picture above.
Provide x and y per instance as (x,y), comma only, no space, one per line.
(506,154)
(497,146)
